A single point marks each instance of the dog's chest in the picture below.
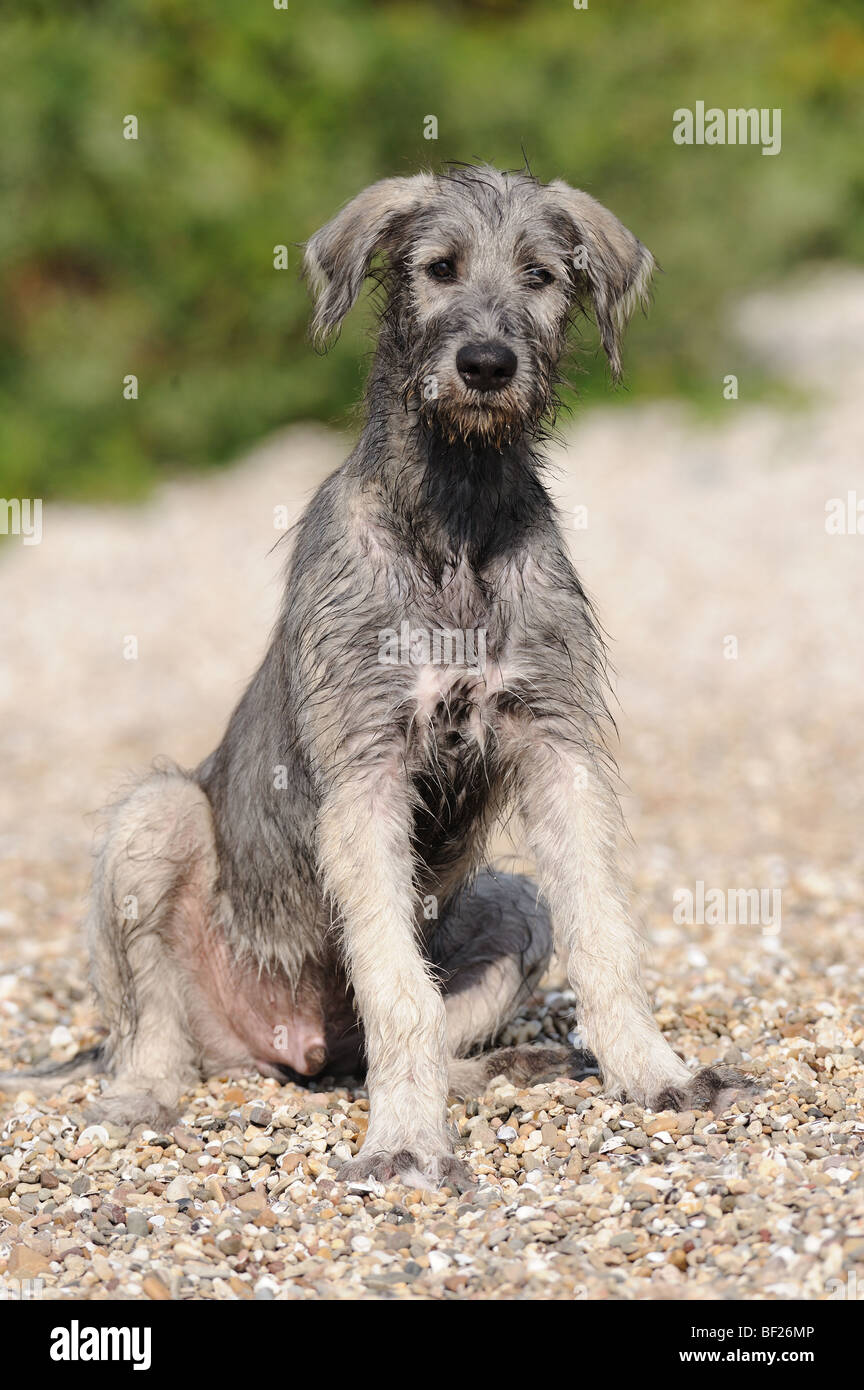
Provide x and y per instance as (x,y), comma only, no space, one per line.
(453,702)
(452,757)
(459,654)
(464,663)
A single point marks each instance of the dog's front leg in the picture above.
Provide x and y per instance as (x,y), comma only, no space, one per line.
(367,865)
(573,823)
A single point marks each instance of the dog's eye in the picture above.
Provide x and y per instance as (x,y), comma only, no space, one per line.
(442,270)
(537,277)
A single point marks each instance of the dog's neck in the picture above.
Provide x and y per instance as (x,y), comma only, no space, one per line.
(450,501)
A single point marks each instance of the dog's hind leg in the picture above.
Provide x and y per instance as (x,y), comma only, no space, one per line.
(491,951)
(153,886)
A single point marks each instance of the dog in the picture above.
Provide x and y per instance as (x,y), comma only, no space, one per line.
(315,892)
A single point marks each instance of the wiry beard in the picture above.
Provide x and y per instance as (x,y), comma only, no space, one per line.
(478,420)
(461,422)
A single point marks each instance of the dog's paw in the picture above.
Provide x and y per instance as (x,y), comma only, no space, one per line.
(410,1167)
(127,1109)
(454,1173)
(710,1088)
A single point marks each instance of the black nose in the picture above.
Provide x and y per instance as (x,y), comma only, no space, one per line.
(486,366)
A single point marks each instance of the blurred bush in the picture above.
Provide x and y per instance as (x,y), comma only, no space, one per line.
(155,256)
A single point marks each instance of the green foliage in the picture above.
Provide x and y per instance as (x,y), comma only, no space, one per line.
(155,256)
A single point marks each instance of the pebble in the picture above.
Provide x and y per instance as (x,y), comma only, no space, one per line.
(178,1190)
(136,1223)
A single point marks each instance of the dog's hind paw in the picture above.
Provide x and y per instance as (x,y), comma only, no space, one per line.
(410,1167)
(127,1109)
(710,1088)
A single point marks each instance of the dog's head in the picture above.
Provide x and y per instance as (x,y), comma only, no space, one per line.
(483,272)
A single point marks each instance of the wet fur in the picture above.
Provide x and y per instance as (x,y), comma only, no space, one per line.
(345,791)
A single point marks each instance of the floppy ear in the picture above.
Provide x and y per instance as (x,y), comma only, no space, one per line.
(613,269)
(336,261)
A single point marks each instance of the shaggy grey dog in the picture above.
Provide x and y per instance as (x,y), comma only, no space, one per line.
(314,891)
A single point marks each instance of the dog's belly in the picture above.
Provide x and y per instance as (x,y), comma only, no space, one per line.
(243,1015)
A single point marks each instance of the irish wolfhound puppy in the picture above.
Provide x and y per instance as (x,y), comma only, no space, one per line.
(312,892)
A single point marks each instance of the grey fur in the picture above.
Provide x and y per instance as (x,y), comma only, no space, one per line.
(347,792)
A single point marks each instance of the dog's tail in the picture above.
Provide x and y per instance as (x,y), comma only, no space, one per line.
(523,1065)
(48,1078)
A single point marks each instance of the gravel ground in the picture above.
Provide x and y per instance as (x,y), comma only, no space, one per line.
(743,771)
